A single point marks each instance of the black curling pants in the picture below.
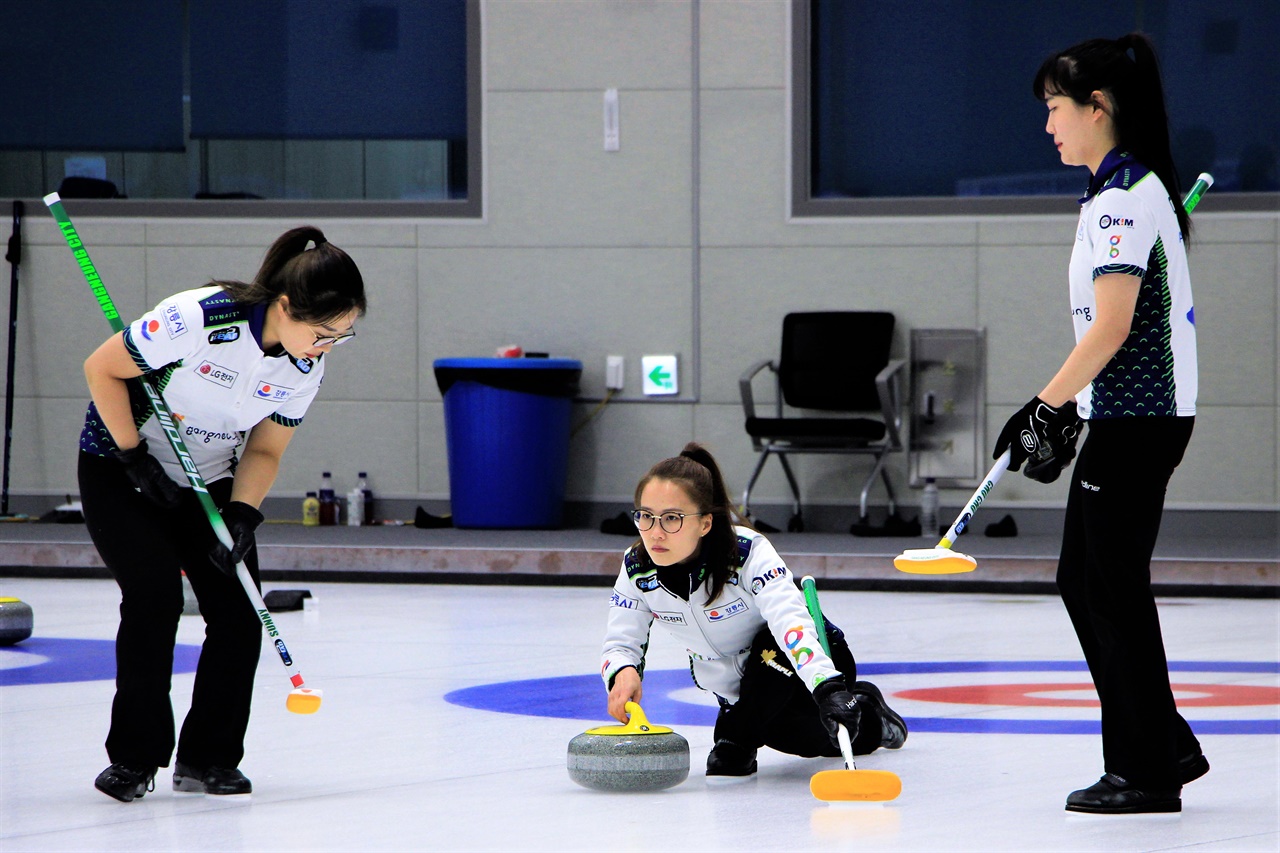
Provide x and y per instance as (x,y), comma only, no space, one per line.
(1104,577)
(147,548)
(776,710)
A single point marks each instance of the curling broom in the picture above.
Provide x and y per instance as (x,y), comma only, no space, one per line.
(851,785)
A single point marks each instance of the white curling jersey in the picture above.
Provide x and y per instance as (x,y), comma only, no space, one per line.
(718,635)
(1128,226)
(205,350)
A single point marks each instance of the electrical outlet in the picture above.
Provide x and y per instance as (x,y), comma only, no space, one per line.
(614,373)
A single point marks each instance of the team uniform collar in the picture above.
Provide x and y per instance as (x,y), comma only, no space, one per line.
(257,321)
(1106,170)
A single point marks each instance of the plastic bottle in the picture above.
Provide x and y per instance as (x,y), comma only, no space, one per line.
(929,510)
(310,510)
(367,496)
(328,501)
(355,506)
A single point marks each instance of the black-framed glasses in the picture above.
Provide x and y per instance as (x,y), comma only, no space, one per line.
(326,340)
(671,522)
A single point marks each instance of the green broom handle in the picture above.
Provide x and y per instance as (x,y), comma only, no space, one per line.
(171,431)
(810,590)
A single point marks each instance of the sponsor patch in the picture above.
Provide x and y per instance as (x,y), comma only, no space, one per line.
(1114,222)
(670,618)
(759,581)
(274,393)
(619,600)
(173,322)
(149,328)
(648,583)
(767,658)
(224,336)
(216,374)
(733,608)
(794,638)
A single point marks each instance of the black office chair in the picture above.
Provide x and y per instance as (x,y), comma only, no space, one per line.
(834,362)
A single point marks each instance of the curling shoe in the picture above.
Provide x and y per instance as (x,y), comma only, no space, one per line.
(215,780)
(126,783)
(893,729)
(1192,767)
(728,759)
(1112,794)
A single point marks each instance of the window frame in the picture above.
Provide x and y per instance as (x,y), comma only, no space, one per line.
(472,207)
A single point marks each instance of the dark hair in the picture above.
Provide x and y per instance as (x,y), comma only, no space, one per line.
(1137,96)
(695,470)
(322,283)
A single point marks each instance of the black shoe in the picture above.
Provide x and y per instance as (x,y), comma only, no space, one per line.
(729,759)
(126,783)
(1192,767)
(215,780)
(893,729)
(1113,795)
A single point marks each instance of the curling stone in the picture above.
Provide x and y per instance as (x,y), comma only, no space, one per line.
(15,621)
(636,757)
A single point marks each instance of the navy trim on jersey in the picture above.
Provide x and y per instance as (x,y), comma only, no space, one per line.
(1119,269)
(1139,378)
(1117,169)
(134,354)
(283,421)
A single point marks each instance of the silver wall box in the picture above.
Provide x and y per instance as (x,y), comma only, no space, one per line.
(948,407)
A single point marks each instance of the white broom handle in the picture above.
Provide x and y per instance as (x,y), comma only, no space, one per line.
(966,515)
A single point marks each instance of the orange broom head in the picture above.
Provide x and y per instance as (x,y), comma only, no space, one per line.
(934,561)
(868,786)
(304,700)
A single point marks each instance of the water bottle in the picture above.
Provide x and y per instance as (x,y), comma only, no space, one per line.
(355,507)
(367,496)
(929,510)
(310,510)
(328,501)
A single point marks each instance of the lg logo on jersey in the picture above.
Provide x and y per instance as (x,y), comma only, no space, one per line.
(216,374)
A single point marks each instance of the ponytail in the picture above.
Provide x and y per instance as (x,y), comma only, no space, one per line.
(696,472)
(321,282)
(1138,105)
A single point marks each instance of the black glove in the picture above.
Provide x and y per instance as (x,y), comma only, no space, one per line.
(241,520)
(1036,432)
(837,707)
(148,477)
(1063,449)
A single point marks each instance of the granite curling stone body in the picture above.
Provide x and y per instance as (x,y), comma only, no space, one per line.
(15,621)
(636,757)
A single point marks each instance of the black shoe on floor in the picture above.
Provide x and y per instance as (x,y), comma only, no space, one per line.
(893,729)
(215,780)
(729,759)
(1113,795)
(126,783)
(1192,767)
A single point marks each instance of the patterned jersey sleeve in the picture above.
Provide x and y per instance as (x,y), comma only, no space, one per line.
(1124,230)
(627,633)
(782,605)
(292,410)
(166,334)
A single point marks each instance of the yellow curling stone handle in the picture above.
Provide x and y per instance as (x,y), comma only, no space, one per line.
(637,724)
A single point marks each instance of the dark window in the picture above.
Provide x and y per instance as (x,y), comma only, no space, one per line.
(933,99)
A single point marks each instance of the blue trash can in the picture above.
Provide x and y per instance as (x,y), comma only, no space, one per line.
(507,429)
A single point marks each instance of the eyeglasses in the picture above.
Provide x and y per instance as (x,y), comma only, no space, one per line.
(326,340)
(671,522)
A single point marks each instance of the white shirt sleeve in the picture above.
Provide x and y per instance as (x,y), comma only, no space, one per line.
(782,605)
(627,632)
(167,333)
(1124,230)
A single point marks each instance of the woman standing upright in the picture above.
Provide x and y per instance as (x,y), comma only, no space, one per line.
(1132,377)
(232,359)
